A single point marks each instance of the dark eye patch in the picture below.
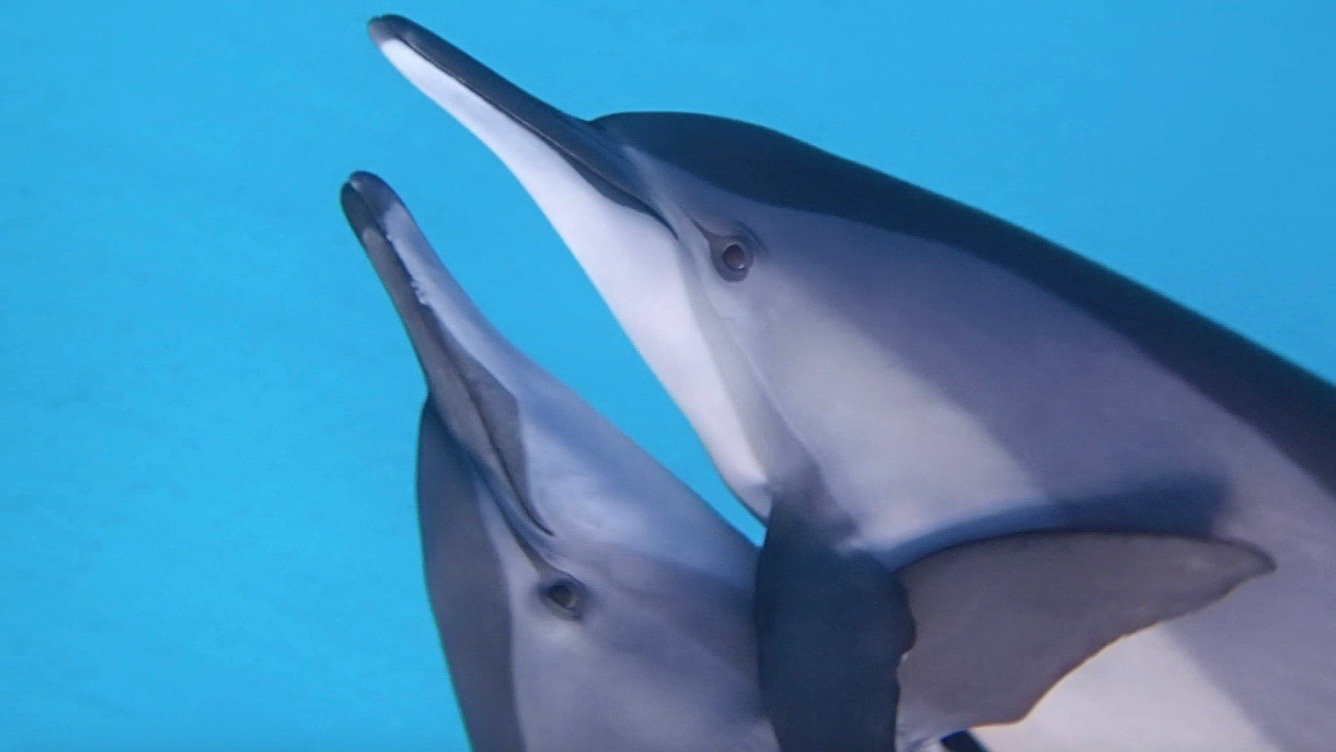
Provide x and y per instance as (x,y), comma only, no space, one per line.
(733,257)
(565,596)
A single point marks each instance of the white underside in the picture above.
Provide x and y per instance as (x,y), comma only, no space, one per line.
(1142,693)
(1148,692)
(628,255)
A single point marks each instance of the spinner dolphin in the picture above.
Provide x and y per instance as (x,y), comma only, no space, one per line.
(587,599)
(887,366)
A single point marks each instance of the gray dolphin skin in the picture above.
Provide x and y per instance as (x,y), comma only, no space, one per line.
(586,599)
(890,367)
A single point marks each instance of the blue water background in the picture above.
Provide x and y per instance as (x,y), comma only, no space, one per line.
(207,407)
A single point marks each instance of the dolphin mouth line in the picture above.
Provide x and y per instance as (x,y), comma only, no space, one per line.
(365,199)
(581,143)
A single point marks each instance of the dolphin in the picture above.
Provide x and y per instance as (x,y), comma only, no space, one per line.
(587,599)
(885,365)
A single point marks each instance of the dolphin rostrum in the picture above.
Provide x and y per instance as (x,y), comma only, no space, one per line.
(587,599)
(889,365)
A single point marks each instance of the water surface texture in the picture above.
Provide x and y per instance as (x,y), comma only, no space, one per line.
(207,406)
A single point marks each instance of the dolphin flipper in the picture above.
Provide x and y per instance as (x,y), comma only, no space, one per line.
(985,628)
(1000,621)
(830,631)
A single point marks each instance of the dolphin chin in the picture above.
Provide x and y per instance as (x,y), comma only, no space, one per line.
(536,634)
(596,198)
(937,365)
(464,360)
(643,597)
(468,90)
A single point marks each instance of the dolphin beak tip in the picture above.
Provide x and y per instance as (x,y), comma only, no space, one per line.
(361,181)
(484,102)
(392,28)
(360,197)
(385,28)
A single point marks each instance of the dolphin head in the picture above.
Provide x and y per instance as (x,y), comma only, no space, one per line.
(585,597)
(807,312)
(662,245)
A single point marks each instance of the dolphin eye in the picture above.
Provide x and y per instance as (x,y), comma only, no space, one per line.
(565,596)
(732,258)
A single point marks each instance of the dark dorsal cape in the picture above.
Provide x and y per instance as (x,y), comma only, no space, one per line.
(1294,408)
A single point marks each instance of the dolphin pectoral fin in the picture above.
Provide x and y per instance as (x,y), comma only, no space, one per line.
(1000,621)
(831,629)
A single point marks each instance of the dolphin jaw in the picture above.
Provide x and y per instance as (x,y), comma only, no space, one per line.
(623,247)
(473,374)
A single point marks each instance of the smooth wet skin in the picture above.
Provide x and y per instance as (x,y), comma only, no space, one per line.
(916,366)
(587,599)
